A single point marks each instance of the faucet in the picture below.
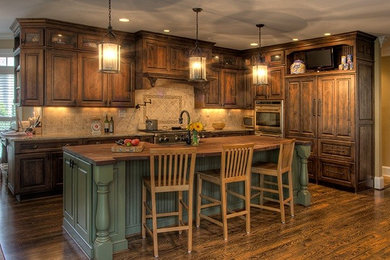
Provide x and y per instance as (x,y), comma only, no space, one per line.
(188,138)
(181,117)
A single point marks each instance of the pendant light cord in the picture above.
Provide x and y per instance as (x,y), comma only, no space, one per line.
(109,16)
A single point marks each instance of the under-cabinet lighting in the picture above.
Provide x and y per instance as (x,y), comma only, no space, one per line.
(167,30)
(327,34)
(295,39)
(254,44)
(124,20)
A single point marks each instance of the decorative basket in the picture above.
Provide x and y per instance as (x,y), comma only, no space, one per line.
(128,149)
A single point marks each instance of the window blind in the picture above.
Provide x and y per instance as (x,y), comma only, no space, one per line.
(7,110)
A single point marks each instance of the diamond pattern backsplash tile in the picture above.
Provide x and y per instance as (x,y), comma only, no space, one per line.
(164,108)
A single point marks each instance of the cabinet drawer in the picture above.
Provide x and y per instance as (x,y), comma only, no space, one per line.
(28,147)
(337,149)
(336,172)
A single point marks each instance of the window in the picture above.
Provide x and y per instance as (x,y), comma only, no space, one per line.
(7,109)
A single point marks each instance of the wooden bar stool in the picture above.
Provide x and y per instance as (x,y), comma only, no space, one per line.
(171,170)
(236,161)
(286,152)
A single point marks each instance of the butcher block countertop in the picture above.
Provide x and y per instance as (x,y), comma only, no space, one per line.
(100,154)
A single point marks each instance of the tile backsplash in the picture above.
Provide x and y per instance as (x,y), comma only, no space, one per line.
(168,99)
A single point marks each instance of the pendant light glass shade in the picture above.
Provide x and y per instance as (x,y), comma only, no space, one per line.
(260,69)
(197,60)
(109,50)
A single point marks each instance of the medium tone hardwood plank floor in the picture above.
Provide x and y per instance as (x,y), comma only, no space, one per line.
(338,225)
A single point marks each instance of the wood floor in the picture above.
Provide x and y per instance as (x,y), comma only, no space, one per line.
(338,225)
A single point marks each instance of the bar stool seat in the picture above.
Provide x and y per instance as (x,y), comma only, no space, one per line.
(265,168)
(236,161)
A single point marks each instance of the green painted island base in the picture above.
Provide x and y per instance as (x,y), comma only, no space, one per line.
(102,204)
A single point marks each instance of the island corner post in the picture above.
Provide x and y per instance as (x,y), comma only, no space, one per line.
(105,205)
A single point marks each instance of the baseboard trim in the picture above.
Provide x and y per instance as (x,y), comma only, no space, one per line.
(386,171)
(379,183)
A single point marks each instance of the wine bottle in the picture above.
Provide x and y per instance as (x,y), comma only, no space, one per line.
(106,125)
(111,127)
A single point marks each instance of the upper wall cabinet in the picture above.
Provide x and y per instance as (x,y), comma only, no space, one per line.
(56,64)
(163,57)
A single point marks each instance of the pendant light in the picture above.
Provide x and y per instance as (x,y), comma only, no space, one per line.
(109,50)
(260,69)
(197,60)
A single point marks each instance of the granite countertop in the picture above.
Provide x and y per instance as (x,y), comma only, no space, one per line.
(67,136)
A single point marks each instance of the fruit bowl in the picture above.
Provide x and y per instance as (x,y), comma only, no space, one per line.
(218,126)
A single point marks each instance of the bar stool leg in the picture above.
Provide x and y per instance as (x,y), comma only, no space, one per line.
(143,211)
(290,188)
(224,210)
(280,189)
(199,201)
(180,209)
(261,186)
(190,202)
(248,205)
(154,220)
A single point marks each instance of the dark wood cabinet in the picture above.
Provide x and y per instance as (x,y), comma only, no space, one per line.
(61,39)
(179,59)
(156,56)
(230,84)
(274,90)
(61,78)
(32,173)
(31,37)
(121,85)
(92,85)
(213,96)
(336,107)
(57,170)
(32,81)
(301,120)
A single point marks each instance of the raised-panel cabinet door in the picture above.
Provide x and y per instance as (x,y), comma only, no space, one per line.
(249,91)
(336,107)
(344,93)
(276,80)
(293,108)
(308,108)
(261,91)
(230,84)
(179,60)
(92,85)
(69,187)
(156,58)
(83,199)
(213,96)
(121,85)
(326,107)
(32,81)
(61,78)
(57,171)
(33,173)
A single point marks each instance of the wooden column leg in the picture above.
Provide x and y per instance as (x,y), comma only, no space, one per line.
(190,215)
(143,223)
(291,195)
(262,186)
(303,195)
(180,209)
(198,200)
(154,222)
(281,198)
(103,245)
(224,210)
(248,205)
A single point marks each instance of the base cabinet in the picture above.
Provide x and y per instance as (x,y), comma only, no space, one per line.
(78,196)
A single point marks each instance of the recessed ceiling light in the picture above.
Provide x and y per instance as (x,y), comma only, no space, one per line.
(295,39)
(124,20)
(327,34)
(167,30)
(254,44)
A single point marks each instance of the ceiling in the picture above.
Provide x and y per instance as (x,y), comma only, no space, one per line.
(229,23)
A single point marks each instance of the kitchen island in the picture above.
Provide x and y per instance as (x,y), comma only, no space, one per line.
(102,190)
